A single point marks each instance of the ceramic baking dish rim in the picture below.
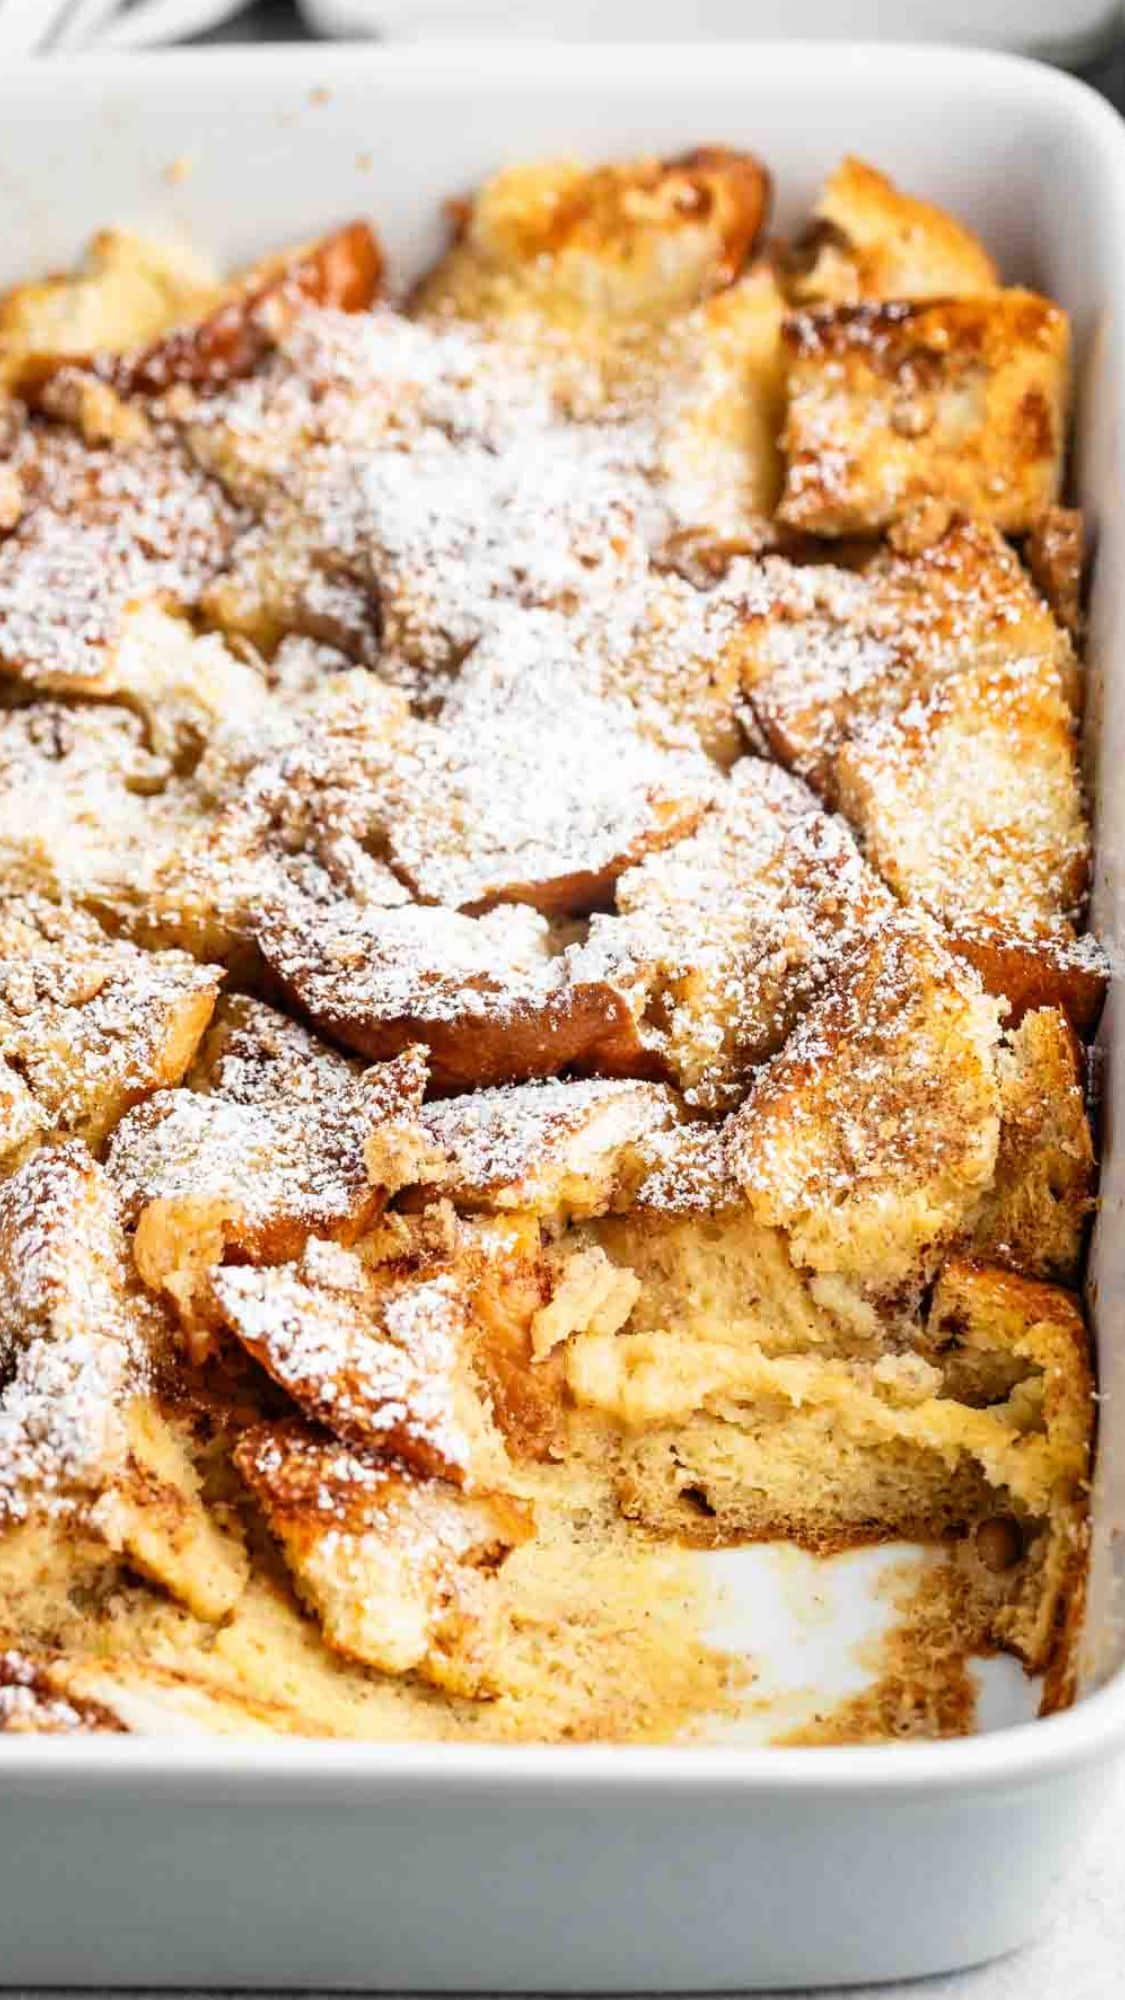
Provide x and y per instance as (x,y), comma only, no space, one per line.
(205,1769)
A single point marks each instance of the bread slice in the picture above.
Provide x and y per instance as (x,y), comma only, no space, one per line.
(1034,1215)
(491,998)
(99,529)
(399,1571)
(871,1136)
(89,1025)
(608,246)
(144,320)
(932,698)
(82,1432)
(274,1139)
(128,289)
(720,942)
(969,802)
(383,1361)
(714,385)
(529,788)
(870,240)
(563,1150)
(890,403)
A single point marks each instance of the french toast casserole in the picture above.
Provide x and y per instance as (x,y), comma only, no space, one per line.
(543,990)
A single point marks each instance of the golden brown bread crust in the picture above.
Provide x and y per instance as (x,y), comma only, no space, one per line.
(870,240)
(613,244)
(399,1571)
(890,403)
(343,270)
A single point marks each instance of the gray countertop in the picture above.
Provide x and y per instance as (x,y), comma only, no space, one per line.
(1081,1953)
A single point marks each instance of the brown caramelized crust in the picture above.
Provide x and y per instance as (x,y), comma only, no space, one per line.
(275,1138)
(88,1024)
(962,400)
(869,240)
(398,1570)
(343,270)
(613,244)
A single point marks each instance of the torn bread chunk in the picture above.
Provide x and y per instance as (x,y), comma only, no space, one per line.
(870,240)
(491,998)
(36,1702)
(529,788)
(128,289)
(82,1432)
(1034,1214)
(602,247)
(343,270)
(562,1150)
(382,1360)
(683,662)
(935,691)
(1055,552)
(446,530)
(704,1268)
(969,802)
(82,815)
(88,1024)
(826,650)
(872,1135)
(963,400)
(103,528)
(275,1138)
(720,942)
(144,321)
(399,1571)
(186,687)
(987,1443)
(716,379)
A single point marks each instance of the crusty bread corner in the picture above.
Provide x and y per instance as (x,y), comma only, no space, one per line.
(610,245)
(870,240)
(890,403)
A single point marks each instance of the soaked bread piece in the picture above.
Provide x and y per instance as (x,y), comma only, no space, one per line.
(929,695)
(491,998)
(88,1024)
(100,529)
(144,316)
(82,1433)
(383,1361)
(1034,1214)
(871,1136)
(612,245)
(275,1138)
(127,290)
(719,944)
(563,1150)
(962,400)
(870,240)
(529,789)
(399,1571)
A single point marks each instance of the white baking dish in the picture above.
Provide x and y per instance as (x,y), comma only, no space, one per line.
(303,1865)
